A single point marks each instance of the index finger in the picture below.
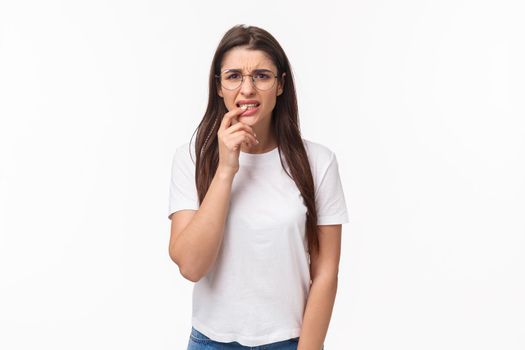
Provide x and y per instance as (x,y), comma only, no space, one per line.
(231,115)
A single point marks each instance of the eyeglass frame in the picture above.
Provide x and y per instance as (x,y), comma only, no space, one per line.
(250,75)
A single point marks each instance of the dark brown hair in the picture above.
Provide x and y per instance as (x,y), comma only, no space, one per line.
(284,124)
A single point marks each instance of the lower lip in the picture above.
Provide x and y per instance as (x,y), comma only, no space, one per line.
(250,111)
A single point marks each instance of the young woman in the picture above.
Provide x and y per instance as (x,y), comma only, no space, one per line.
(256,210)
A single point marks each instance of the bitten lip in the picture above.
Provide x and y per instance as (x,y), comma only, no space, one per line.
(246,102)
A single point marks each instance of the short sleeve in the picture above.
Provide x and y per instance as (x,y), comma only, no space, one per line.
(329,196)
(182,192)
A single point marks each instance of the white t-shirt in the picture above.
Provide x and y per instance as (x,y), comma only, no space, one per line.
(256,291)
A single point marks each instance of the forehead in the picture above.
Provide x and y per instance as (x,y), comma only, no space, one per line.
(246,60)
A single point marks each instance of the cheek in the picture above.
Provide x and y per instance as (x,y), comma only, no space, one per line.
(229,101)
(270,103)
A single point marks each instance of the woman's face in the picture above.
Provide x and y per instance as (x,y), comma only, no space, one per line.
(247,61)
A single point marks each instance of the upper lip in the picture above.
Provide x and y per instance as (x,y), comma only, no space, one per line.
(247,102)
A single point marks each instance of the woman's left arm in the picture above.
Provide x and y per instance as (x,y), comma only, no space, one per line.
(324,268)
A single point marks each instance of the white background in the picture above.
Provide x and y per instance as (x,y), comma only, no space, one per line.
(422,101)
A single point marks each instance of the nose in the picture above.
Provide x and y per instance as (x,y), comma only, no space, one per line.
(247,87)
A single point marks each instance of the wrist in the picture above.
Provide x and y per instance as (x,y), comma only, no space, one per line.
(225,173)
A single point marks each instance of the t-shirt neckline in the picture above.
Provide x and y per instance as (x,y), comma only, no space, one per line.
(258,158)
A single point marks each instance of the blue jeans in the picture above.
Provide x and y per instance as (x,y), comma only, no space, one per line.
(199,341)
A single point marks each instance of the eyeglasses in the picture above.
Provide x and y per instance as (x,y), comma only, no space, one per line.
(261,79)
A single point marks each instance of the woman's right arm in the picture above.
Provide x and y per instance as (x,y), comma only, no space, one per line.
(196,235)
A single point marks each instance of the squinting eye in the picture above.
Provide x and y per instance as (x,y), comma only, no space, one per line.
(232,76)
(262,76)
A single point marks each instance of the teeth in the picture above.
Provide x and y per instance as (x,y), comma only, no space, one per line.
(253,105)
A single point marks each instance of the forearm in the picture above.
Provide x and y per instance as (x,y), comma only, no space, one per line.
(318,312)
(198,244)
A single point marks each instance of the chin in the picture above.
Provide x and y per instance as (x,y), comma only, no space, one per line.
(252,119)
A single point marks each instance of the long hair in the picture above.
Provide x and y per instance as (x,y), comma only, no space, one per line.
(284,123)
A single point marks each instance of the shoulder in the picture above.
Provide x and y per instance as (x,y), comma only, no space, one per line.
(318,154)
(185,153)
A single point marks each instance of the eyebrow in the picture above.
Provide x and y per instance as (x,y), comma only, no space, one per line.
(255,70)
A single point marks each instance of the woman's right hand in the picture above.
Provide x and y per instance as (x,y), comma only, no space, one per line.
(230,138)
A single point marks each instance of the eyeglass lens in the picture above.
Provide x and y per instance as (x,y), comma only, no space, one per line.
(262,80)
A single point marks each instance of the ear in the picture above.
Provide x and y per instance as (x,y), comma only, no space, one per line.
(219,90)
(218,87)
(280,87)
